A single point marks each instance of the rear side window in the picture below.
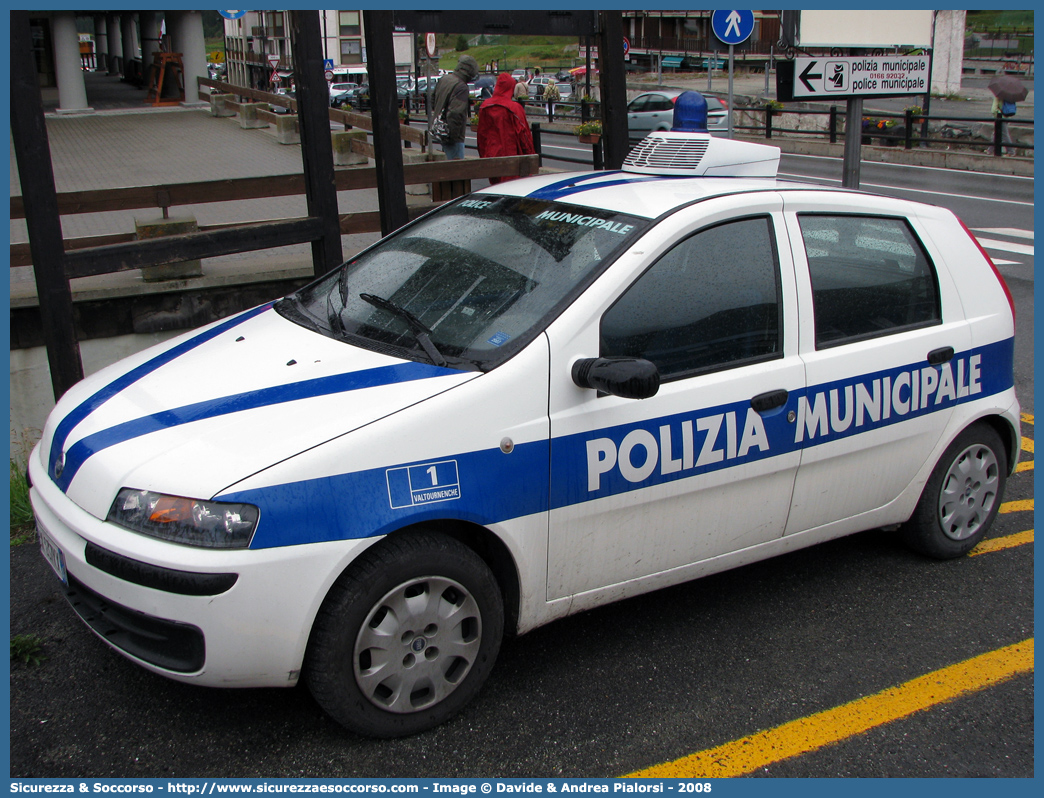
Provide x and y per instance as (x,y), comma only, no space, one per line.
(870,277)
(711,302)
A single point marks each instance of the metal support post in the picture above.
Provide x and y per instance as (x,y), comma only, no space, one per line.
(853,142)
(731,64)
(612,88)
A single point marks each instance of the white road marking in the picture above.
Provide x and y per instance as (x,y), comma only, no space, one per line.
(1006,231)
(914,190)
(1006,246)
(905,167)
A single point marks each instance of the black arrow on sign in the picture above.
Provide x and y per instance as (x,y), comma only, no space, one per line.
(805,77)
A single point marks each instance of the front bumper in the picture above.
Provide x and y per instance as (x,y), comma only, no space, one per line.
(233,618)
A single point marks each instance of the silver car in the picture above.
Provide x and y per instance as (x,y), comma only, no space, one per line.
(654,110)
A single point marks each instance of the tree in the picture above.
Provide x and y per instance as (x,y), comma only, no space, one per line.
(462,43)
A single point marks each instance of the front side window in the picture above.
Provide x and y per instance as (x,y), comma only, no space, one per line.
(479,279)
(712,301)
(870,277)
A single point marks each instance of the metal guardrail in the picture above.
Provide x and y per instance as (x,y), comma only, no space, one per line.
(914,129)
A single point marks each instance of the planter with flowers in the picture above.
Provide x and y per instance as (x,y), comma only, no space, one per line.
(588,132)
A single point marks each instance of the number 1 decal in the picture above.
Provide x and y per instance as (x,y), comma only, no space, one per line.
(423,483)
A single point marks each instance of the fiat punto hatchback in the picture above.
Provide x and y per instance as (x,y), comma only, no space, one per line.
(551,394)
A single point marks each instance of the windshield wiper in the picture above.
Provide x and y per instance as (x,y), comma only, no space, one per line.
(420,332)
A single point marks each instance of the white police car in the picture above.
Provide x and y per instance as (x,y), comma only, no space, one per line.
(549,395)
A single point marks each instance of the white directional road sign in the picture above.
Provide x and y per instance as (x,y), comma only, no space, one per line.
(859,76)
(732,27)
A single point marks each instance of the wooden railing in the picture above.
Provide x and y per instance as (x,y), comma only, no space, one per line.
(119,251)
(414,135)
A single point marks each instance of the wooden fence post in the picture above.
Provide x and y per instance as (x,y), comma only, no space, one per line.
(33,155)
(313,106)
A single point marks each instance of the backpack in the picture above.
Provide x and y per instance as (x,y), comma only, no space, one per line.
(1008,109)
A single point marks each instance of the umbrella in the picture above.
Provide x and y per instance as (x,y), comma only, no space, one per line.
(1008,89)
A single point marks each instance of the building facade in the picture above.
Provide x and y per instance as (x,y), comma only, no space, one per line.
(258,52)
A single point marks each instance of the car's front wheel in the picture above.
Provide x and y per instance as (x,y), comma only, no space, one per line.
(406,637)
(962,497)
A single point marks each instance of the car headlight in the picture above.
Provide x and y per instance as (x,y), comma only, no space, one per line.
(193,522)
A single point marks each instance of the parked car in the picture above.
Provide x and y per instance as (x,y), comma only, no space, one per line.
(359,98)
(536,85)
(339,93)
(482,87)
(654,110)
(551,394)
(279,109)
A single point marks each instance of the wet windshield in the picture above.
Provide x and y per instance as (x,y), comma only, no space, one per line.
(469,284)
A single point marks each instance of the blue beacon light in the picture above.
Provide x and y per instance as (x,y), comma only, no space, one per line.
(690,113)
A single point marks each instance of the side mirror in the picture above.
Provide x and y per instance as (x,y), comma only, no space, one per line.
(626,377)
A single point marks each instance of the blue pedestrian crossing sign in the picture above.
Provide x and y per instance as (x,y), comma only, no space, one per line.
(732,27)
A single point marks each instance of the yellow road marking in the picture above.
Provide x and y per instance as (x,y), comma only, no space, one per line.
(1006,542)
(1025,465)
(1027,418)
(833,725)
(1027,444)
(1017,506)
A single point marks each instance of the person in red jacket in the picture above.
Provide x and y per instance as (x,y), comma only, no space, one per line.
(503,128)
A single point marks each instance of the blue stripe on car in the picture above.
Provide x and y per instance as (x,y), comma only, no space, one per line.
(494,487)
(80,451)
(566,188)
(88,406)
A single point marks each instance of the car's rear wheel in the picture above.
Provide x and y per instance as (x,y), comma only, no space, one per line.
(962,497)
(406,637)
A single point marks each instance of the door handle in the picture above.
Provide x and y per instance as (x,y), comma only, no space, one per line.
(939,356)
(764,402)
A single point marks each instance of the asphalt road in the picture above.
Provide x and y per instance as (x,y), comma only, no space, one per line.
(617,689)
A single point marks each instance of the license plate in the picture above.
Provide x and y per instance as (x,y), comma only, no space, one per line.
(50,551)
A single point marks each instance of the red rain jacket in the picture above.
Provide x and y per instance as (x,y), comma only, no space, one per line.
(503,128)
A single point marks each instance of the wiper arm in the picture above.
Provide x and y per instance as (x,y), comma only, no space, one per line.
(420,332)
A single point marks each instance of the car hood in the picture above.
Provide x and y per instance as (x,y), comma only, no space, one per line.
(199,413)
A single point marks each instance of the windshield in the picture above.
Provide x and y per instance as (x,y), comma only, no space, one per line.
(477,279)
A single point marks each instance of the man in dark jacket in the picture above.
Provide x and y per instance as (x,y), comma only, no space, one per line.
(451,94)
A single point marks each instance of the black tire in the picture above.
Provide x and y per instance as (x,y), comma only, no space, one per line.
(962,497)
(381,673)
